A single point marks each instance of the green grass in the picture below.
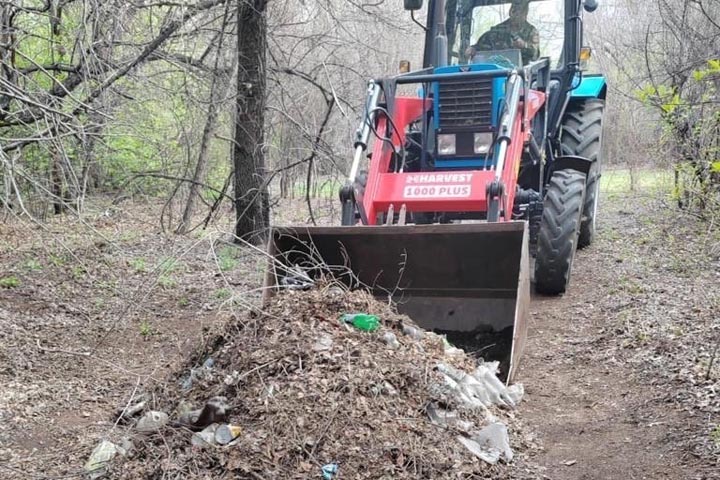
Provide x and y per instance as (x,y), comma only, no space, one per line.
(200,234)
(327,189)
(33,265)
(108,285)
(138,264)
(130,236)
(619,181)
(57,260)
(146,329)
(78,272)
(168,265)
(167,282)
(715,435)
(222,294)
(9,282)
(227,258)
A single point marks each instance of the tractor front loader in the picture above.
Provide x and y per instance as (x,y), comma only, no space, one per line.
(489,162)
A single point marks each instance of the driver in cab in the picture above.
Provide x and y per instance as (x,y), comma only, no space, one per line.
(513,33)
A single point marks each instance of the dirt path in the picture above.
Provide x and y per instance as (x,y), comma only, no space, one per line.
(613,370)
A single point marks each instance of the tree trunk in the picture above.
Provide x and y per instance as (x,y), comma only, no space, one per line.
(91,170)
(8,73)
(201,165)
(219,86)
(218,91)
(56,183)
(251,195)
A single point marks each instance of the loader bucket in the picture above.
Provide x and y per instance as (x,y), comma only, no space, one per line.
(467,281)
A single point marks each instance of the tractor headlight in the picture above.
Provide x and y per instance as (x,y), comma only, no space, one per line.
(446,144)
(483,142)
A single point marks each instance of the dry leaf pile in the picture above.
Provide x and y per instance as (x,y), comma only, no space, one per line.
(308,390)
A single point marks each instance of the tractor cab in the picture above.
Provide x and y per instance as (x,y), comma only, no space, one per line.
(491,25)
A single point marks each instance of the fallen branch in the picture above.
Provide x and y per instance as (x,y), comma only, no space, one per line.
(57,350)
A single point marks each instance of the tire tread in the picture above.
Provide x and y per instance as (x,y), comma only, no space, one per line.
(559,228)
(582,136)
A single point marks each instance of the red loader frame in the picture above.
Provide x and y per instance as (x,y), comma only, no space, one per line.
(441,191)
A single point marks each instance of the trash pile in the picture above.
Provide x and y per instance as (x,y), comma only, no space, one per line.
(323,384)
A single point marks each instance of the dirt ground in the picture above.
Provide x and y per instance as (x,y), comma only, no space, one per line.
(618,371)
(620,374)
(99,310)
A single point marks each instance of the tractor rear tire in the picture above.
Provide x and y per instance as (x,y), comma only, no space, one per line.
(582,137)
(559,230)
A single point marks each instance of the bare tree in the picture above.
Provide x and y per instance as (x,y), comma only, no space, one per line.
(133,96)
(47,102)
(220,83)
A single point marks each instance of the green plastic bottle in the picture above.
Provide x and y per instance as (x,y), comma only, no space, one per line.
(362,321)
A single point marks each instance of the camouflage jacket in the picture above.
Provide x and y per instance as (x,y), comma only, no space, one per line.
(500,37)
